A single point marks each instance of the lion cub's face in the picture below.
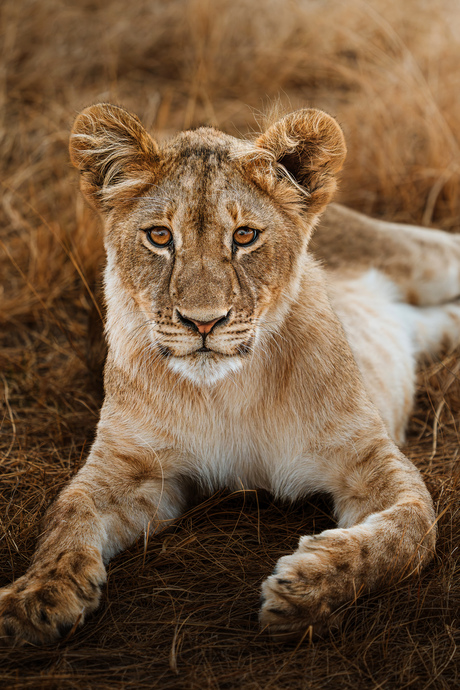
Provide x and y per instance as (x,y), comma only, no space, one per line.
(207,234)
(206,255)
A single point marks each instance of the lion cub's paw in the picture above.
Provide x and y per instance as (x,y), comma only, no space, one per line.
(50,599)
(308,587)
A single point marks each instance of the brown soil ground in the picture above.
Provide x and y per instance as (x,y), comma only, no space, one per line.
(181,610)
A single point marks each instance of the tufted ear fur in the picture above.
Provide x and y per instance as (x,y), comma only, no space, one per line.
(309,145)
(115,155)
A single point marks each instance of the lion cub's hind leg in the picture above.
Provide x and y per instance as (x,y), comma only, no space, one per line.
(434,328)
(423,263)
(388,338)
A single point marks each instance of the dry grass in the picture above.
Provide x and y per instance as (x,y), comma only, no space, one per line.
(181,611)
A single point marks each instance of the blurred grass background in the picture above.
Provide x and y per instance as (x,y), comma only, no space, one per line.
(181,610)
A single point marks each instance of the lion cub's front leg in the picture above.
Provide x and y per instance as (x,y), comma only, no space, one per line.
(102,511)
(386,530)
(54,595)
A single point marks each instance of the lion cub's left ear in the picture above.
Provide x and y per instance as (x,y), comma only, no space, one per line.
(114,153)
(310,146)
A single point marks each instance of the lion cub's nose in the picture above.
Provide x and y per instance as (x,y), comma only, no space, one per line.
(203,327)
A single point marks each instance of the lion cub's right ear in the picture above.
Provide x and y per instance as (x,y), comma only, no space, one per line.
(115,155)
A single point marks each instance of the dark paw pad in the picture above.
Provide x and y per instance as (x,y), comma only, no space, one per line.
(64,629)
(8,629)
(279,612)
(44,616)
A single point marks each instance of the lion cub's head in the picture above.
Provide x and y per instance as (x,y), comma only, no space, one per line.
(206,235)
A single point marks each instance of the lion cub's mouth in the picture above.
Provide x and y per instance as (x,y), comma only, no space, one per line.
(206,365)
(210,353)
(167,352)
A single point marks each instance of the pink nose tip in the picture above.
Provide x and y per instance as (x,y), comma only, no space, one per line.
(205,327)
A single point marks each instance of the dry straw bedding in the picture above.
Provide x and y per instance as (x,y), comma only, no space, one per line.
(180,610)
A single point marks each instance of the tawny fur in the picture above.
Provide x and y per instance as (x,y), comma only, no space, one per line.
(303,384)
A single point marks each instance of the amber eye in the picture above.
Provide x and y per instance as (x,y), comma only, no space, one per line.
(159,236)
(245,236)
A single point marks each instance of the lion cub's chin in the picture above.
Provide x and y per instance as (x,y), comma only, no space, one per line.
(205,369)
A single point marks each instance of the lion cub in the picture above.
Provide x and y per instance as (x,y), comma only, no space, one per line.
(235,358)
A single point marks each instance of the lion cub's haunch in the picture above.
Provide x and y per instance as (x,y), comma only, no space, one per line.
(236,359)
